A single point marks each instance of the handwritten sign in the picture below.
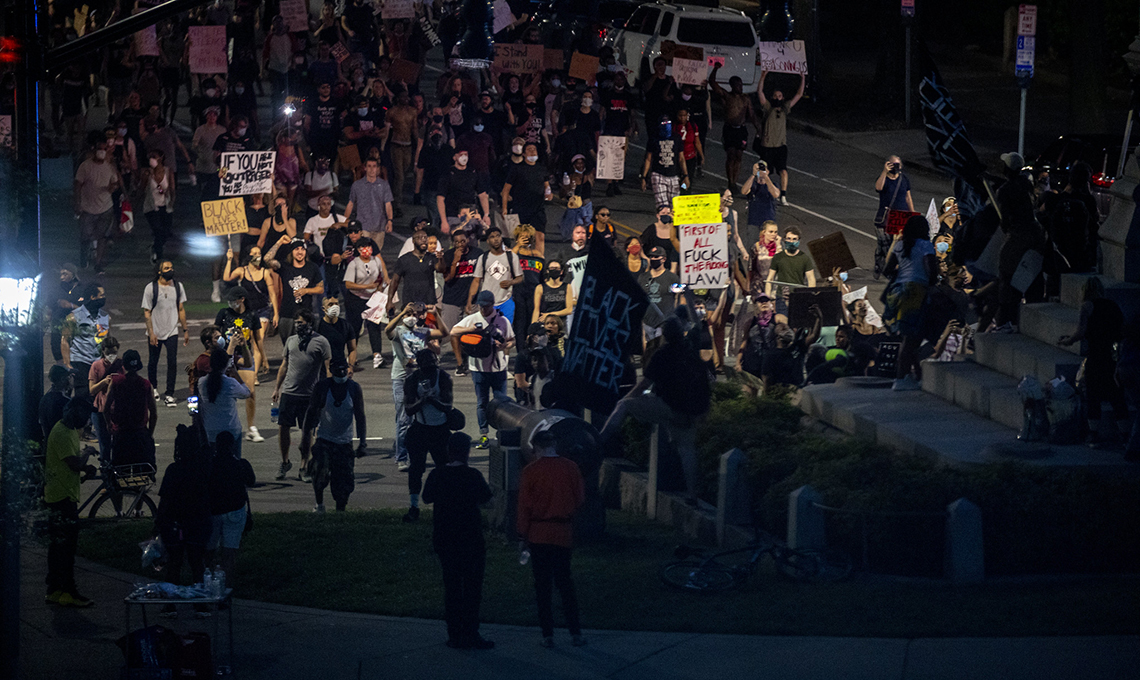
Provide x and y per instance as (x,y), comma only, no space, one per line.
(208,49)
(716,61)
(553,60)
(783,57)
(405,71)
(611,157)
(247,172)
(224,217)
(831,252)
(511,222)
(503,16)
(296,15)
(699,209)
(339,52)
(519,58)
(896,220)
(7,141)
(397,9)
(689,71)
(583,67)
(704,255)
(146,43)
(932,219)
(349,157)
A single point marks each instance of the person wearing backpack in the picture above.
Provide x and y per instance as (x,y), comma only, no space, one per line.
(162,309)
(486,359)
(427,399)
(680,397)
(497,272)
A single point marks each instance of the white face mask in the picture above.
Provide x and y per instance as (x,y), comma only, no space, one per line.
(239,90)
(122,132)
(532,159)
(241,131)
(477,128)
(461,160)
(587,103)
(410,321)
(211,92)
(556,83)
(340,379)
(686,97)
(154,162)
(517,149)
(333,311)
(100,154)
(111,358)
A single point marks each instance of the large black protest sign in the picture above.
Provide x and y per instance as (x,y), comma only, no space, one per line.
(607,318)
(247,172)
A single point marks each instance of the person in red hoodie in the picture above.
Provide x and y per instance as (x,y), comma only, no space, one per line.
(550,491)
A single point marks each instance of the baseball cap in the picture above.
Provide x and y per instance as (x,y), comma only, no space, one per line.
(1013,160)
(235,293)
(536,328)
(485,298)
(132,361)
(353,227)
(655,251)
(763,298)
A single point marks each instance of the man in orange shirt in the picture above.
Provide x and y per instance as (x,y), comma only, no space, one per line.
(550,492)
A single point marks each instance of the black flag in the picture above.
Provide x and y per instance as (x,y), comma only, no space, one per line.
(607,318)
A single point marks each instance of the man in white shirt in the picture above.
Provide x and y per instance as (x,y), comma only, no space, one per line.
(162,302)
(490,373)
(319,224)
(319,183)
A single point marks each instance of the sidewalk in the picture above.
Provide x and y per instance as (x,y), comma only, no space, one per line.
(277,642)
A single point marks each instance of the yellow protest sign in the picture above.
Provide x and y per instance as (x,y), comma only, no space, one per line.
(224,217)
(700,209)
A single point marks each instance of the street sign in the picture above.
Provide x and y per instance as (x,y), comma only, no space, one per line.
(1027,20)
(1026,46)
(908,8)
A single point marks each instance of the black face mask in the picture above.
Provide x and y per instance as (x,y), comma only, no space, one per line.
(657,263)
(167,275)
(554,274)
(95,305)
(438,119)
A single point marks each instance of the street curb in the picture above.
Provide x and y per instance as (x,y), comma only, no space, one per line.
(924,166)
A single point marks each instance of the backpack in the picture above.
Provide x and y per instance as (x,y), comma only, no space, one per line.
(510,260)
(477,344)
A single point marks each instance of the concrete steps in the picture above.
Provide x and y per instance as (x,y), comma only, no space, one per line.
(1047,321)
(975,388)
(1016,355)
(1127,295)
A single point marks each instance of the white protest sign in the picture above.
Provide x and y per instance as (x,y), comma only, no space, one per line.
(854,295)
(7,141)
(503,16)
(932,219)
(611,157)
(704,255)
(397,9)
(208,49)
(872,317)
(146,43)
(783,57)
(247,172)
(689,71)
(296,15)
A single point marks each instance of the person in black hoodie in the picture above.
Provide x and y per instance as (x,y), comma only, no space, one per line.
(337,402)
(229,478)
(183,519)
(457,536)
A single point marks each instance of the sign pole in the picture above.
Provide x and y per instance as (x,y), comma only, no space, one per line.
(1023,69)
(908,19)
(1021,123)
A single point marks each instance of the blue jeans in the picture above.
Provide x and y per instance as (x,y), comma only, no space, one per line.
(403,421)
(103,434)
(485,385)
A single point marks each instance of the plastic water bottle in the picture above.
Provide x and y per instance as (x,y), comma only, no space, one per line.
(208,580)
(219,584)
(524,557)
(274,412)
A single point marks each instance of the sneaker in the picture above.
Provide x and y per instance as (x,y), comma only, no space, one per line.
(53,597)
(578,640)
(783,199)
(170,401)
(153,257)
(74,600)
(154,393)
(483,442)
(168,611)
(303,475)
(906,384)
(412,515)
(281,471)
(377,361)
(479,642)
(1005,328)
(402,466)
(319,508)
(547,642)
(461,369)
(253,435)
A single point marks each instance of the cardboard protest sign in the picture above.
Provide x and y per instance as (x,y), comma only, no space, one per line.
(247,172)
(715,61)
(553,60)
(704,255)
(607,320)
(932,219)
(208,49)
(783,57)
(990,258)
(830,252)
(611,157)
(689,71)
(896,220)
(519,58)
(406,71)
(349,157)
(1028,269)
(224,217)
(699,209)
(800,302)
(339,52)
(296,15)
(503,16)
(670,50)
(584,67)
(397,9)
(146,43)
(7,140)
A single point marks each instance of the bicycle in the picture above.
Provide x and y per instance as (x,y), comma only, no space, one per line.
(698,571)
(122,493)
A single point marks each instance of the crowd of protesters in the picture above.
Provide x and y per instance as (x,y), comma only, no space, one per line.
(467,168)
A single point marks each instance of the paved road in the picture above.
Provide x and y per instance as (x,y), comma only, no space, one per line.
(831,188)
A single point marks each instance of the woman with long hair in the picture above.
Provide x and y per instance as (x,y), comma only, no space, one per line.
(157,184)
(533,265)
(219,391)
(912,268)
(260,298)
(553,295)
(635,260)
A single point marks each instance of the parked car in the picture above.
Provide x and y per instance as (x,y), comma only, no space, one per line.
(719,32)
(580,25)
(1100,151)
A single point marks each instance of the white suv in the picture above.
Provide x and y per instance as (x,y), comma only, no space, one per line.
(720,32)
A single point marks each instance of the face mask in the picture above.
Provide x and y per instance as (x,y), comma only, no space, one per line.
(239,90)
(517,149)
(556,83)
(95,305)
(100,154)
(666,219)
(333,311)
(241,131)
(554,274)
(122,132)
(765,317)
(843,276)
(633,250)
(438,119)
(667,130)
(221,342)
(154,162)
(477,128)
(532,159)
(514,88)
(322,169)
(167,275)
(942,247)
(340,379)
(792,246)
(541,341)
(657,263)
(211,92)
(362,111)
(111,357)
(410,321)
(461,160)
(587,103)
(701,312)
(256,261)
(235,305)
(686,97)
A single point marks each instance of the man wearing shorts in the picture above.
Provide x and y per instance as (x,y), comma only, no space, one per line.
(772,131)
(305,353)
(737,112)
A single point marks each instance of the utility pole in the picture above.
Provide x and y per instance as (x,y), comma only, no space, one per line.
(1026,46)
(908,19)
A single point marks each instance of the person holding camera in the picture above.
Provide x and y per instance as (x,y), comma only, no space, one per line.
(762,195)
(336,403)
(408,334)
(63,461)
(427,401)
(489,374)
(894,194)
(239,326)
(220,389)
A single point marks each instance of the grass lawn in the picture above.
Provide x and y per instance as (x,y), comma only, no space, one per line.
(371,562)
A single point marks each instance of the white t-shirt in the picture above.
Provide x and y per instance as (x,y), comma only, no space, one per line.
(319,226)
(499,269)
(318,182)
(497,361)
(362,272)
(164,312)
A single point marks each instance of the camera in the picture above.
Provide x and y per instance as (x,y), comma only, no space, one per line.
(763,167)
(678,288)
(192,404)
